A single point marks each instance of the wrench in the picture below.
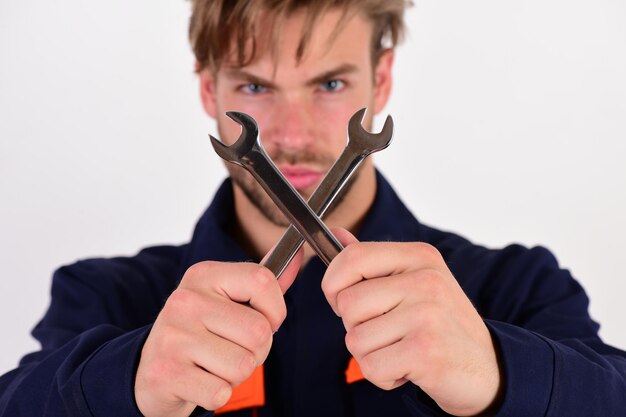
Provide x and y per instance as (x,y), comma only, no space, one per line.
(361,144)
(248,153)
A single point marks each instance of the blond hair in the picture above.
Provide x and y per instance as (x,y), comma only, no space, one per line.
(219,27)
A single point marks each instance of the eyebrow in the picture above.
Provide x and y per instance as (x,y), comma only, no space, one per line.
(343,69)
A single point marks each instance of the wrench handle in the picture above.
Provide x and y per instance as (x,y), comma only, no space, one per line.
(292,205)
(319,202)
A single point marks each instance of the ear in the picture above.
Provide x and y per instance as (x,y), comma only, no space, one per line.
(383,79)
(207,91)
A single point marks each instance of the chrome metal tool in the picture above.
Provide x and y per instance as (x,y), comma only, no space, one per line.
(361,144)
(248,152)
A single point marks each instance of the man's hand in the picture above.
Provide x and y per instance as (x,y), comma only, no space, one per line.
(407,319)
(213,331)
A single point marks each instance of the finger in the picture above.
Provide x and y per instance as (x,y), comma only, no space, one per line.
(344,236)
(388,367)
(376,334)
(249,283)
(202,388)
(371,298)
(223,358)
(368,260)
(368,299)
(291,271)
(239,324)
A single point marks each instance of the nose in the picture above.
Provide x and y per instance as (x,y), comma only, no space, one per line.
(291,126)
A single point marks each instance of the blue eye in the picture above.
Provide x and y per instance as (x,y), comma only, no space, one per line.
(332,85)
(254,88)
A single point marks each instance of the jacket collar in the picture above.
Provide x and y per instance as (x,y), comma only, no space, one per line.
(387,220)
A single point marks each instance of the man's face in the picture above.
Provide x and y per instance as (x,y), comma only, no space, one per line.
(302,108)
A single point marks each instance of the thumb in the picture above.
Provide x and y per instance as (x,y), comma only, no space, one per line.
(344,236)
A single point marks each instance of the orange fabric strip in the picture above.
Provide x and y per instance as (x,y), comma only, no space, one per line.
(250,393)
(353,373)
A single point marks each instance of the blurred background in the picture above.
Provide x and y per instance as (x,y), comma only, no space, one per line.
(510,127)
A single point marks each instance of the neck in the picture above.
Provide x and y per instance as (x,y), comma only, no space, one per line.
(258,235)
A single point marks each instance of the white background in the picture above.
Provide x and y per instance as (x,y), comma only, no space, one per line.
(510,127)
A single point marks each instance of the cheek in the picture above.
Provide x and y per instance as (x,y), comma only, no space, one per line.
(324,121)
(333,126)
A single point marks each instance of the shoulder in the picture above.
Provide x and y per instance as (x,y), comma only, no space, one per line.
(149,263)
(506,282)
(119,287)
(467,257)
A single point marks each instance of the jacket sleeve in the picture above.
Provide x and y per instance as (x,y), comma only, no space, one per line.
(91,338)
(554,362)
(90,375)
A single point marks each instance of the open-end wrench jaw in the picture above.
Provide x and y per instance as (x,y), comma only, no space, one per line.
(244,144)
(248,153)
(372,141)
(361,144)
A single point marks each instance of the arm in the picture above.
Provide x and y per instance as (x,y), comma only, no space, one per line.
(99,316)
(59,379)
(98,360)
(123,337)
(554,361)
(90,375)
(213,332)
(408,320)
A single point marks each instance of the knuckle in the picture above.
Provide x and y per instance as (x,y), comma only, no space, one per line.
(385,385)
(221,394)
(424,346)
(369,368)
(345,301)
(247,365)
(437,290)
(180,301)
(182,296)
(263,277)
(328,286)
(426,250)
(149,377)
(431,362)
(159,372)
(428,318)
(198,270)
(432,284)
(353,253)
(353,341)
(415,281)
(281,312)
(169,342)
(429,283)
(260,333)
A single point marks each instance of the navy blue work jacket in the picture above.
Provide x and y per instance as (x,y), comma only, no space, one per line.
(101,312)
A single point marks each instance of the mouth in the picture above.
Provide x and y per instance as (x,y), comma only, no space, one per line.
(301,178)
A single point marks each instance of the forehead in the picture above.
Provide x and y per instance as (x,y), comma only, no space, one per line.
(332,41)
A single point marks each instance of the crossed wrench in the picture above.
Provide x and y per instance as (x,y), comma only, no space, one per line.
(248,152)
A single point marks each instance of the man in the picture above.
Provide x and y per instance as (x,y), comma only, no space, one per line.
(407,320)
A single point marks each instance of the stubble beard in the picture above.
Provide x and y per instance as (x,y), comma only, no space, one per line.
(259,198)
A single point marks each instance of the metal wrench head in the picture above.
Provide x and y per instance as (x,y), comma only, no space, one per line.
(367,140)
(244,144)
(248,152)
